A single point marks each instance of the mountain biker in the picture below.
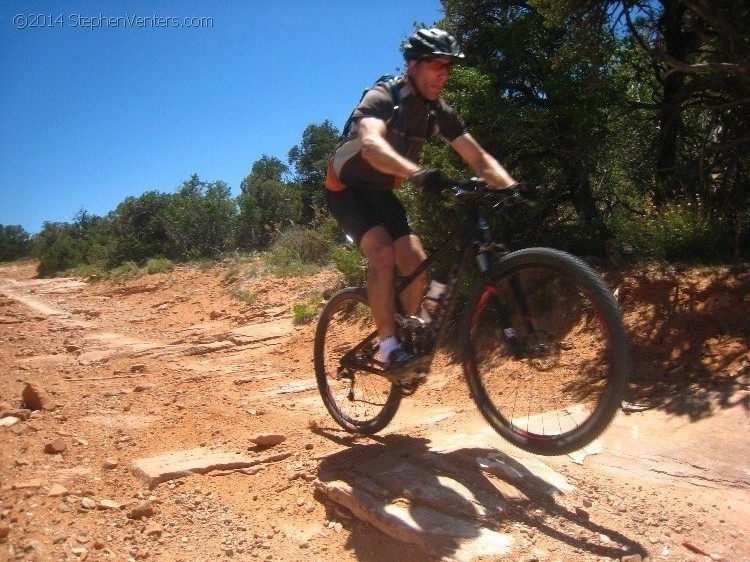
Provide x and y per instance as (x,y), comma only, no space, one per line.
(382,149)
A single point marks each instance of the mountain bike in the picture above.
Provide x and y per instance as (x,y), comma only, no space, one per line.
(542,343)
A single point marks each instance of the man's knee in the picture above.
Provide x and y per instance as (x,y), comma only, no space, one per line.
(383,257)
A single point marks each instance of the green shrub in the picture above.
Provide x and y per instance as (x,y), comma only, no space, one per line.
(86,271)
(128,270)
(285,262)
(674,233)
(305,312)
(232,273)
(58,251)
(202,264)
(243,294)
(351,263)
(298,252)
(159,265)
(304,245)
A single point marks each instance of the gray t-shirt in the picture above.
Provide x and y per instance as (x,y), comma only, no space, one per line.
(406,132)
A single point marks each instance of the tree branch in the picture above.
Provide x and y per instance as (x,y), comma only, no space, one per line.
(701,67)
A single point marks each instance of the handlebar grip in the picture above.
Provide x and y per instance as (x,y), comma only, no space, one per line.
(526,190)
(516,194)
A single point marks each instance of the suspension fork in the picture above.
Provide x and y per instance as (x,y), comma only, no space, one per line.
(491,293)
(487,253)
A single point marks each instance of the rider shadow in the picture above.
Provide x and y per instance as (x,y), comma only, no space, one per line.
(452,503)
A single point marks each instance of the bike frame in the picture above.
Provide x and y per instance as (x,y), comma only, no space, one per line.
(463,234)
(473,238)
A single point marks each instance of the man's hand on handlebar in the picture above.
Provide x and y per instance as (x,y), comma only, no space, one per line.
(526,190)
(432,180)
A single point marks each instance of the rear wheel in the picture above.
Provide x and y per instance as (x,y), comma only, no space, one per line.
(548,375)
(345,364)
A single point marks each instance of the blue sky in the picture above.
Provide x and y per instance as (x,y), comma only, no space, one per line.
(103,100)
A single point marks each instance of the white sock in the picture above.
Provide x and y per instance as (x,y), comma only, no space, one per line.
(387,344)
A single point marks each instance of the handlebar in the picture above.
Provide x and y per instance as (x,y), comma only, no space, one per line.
(475,190)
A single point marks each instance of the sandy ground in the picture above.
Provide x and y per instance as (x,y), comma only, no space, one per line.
(177,361)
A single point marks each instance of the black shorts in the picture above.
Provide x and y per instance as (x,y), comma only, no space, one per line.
(358,210)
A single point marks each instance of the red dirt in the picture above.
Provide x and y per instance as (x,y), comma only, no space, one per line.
(156,363)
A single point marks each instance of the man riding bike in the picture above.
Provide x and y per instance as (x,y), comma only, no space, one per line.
(381,150)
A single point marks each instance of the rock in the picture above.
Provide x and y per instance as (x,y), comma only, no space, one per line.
(59,537)
(36,398)
(108,504)
(34,547)
(22,413)
(631,558)
(439,534)
(82,538)
(9,421)
(179,464)
(138,368)
(268,439)
(88,503)
(55,447)
(142,510)
(25,485)
(153,530)
(4,531)
(57,490)
(110,464)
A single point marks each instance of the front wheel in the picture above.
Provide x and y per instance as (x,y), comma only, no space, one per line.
(360,400)
(545,351)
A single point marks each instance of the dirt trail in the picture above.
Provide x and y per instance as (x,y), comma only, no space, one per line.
(167,371)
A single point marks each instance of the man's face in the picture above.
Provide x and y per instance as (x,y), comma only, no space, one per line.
(430,75)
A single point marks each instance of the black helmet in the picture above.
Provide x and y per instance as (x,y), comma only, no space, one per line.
(431,43)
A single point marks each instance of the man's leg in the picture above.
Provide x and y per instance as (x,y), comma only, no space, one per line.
(378,248)
(409,255)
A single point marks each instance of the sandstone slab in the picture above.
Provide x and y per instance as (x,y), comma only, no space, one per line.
(153,471)
(433,530)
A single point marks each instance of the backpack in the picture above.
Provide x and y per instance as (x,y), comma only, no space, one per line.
(333,183)
(392,83)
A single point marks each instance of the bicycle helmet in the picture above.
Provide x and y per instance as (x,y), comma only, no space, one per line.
(431,43)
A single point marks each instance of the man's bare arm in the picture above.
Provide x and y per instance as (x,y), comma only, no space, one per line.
(483,164)
(379,153)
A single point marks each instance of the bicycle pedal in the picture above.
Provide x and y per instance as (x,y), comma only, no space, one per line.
(409,387)
(415,369)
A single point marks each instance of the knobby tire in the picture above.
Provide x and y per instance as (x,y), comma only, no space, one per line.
(359,401)
(560,387)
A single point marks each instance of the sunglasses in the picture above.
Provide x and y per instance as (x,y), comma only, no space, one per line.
(437,65)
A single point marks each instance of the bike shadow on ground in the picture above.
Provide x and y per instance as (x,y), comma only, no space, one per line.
(404,471)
